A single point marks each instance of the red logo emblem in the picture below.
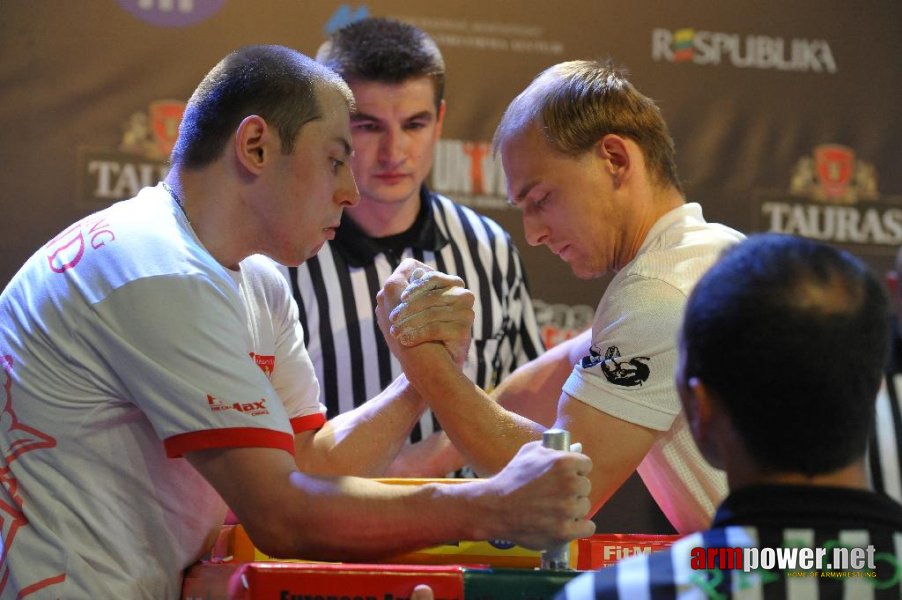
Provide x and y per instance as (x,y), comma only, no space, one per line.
(834,165)
(266,363)
(165,116)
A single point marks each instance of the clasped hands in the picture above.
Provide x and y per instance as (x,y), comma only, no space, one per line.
(419,305)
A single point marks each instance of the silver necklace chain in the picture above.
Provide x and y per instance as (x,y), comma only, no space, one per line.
(177,201)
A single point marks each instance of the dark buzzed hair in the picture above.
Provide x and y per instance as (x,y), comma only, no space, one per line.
(277,83)
(791,335)
(385,51)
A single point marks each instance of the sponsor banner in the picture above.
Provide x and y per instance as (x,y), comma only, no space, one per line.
(141,159)
(743,51)
(560,322)
(488,35)
(468,172)
(833,197)
(172,13)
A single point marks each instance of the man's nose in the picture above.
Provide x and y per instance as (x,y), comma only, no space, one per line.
(346,193)
(392,147)
(535,231)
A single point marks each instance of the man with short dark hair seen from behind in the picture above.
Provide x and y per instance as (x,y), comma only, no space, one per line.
(781,354)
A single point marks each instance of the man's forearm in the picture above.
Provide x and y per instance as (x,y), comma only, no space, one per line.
(434,456)
(366,440)
(487,434)
(533,390)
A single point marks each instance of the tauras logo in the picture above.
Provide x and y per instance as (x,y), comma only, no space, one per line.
(108,175)
(833,197)
(748,52)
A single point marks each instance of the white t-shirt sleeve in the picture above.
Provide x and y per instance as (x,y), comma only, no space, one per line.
(294,377)
(178,343)
(629,373)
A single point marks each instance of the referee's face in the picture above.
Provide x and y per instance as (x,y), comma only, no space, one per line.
(394,133)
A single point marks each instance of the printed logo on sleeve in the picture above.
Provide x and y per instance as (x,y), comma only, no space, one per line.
(67,249)
(625,373)
(266,363)
(253,409)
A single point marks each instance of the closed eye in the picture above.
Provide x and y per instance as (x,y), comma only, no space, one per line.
(366,126)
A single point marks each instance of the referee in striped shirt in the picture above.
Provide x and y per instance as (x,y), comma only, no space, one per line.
(885,448)
(781,355)
(397,75)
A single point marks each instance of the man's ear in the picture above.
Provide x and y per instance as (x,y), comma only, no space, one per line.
(613,150)
(440,119)
(253,143)
(702,412)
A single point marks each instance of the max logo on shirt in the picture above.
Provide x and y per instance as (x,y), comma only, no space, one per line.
(619,372)
(252,409)
(68,248)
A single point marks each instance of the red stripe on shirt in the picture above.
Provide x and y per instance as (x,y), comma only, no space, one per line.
(231,437)
(308,422)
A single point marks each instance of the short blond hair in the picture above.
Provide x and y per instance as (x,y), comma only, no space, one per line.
(577,103)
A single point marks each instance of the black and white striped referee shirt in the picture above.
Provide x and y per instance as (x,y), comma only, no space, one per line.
(783,520)
(885,447)
(336,294)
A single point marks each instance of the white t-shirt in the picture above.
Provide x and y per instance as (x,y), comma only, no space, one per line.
(125,345)
(629,373)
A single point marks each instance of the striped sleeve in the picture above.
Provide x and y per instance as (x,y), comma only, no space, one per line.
(885,447)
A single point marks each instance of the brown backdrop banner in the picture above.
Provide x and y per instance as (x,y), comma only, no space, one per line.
(786,115)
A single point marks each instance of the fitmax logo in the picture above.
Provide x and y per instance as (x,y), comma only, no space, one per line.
(710,48)
(249,408)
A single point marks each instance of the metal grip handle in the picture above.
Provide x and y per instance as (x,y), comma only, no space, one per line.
(558,558)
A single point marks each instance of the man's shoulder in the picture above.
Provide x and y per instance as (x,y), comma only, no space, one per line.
(265,277)
(681,255)
(262,267)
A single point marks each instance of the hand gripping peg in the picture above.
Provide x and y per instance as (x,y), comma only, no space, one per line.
(558,558)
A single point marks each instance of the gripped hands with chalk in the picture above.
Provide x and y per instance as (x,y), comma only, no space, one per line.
(418,304)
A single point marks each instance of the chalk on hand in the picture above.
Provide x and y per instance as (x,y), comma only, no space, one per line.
(417,274)
(577,447)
